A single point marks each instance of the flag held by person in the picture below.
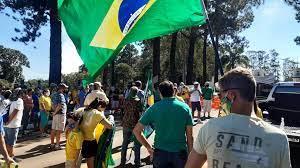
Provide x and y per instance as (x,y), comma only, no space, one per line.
(101,28)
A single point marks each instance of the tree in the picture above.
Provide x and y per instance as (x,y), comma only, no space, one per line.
(172,71)
(259,60)
(128,55)
(296,5)
(156,58)
(288,68)
(233,53)
(35,14)
(274,64)
(72,79)
(11,62)
(124,74)
(190,58)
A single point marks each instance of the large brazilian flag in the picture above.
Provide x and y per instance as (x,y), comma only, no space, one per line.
(101,28)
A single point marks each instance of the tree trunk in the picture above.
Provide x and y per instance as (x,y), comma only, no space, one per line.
(55,45)
(104,76)
(190,58)
(172,71)
(112,72)
(156,58)
(216,76)
(204,59)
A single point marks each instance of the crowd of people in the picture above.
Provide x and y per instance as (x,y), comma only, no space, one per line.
(239,139)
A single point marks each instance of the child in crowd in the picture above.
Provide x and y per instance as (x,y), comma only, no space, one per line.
(74,142)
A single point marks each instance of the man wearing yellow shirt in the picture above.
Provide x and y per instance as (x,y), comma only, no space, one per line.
(45,108)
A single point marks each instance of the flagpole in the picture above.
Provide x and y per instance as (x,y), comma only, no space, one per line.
(217,56)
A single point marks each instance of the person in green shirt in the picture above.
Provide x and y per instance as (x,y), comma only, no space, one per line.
(173,124)
(207,93)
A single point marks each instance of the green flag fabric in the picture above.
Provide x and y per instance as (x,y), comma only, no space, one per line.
(101,28)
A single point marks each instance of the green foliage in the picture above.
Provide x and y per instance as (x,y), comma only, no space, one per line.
(269,62)
(233,54)
(33,83)
(274,64)
(288,68)
(73,80)
(124,74)
(5,84)
(128,55)
(11,62)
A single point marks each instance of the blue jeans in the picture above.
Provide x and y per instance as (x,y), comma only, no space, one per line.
(127,135)
(165,159)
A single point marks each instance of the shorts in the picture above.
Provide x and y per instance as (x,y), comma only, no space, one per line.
(59,122)
(89,148)
(196,106)
(11,135)
(44,119)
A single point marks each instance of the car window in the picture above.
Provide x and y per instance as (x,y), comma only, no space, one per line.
(287,89)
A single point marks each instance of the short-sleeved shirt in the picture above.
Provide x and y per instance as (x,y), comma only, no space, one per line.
(170,117)
(207,93)
(132,113)
(59,98)
(46,101)
(74,143)
(195,95)
(89,122)
(242,141)
(36,106)
(16,121)
(93,95)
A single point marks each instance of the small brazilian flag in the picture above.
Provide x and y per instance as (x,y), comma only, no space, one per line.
(101,28)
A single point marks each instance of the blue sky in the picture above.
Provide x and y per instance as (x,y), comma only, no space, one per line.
(274,27)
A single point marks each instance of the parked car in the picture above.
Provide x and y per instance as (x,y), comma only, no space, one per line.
(284,102)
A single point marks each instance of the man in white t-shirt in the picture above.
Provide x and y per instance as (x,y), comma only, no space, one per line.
(97,92)
(195,99)
(14,121)
(240,139)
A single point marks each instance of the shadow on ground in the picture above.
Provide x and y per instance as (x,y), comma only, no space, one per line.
(37,151)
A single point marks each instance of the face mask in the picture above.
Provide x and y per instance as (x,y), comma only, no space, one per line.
(225,107)
(48,94)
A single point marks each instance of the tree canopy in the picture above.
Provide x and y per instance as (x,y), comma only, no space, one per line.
(11,64)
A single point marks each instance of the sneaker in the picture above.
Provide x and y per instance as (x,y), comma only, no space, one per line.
(57,147)
(52,146)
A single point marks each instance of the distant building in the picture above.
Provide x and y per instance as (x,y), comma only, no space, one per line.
(296,75)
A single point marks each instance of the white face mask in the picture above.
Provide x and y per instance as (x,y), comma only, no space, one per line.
(48,94)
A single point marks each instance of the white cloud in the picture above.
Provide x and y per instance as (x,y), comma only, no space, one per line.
(70,58)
